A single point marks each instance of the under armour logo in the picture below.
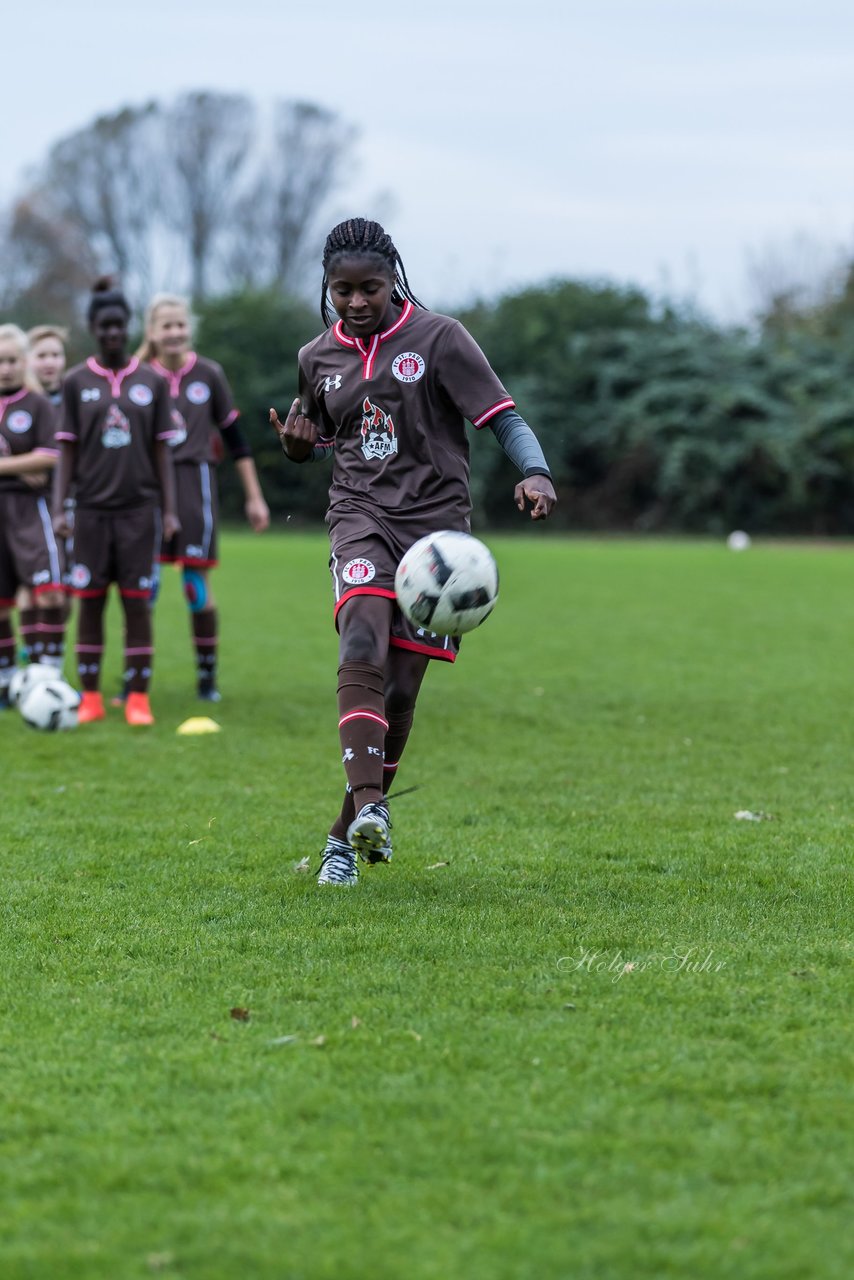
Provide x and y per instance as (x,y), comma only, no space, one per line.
(90,393)
(332,384)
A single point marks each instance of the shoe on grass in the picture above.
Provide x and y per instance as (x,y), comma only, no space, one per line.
(337,864)
(91,707)
(368,833)
(137,709)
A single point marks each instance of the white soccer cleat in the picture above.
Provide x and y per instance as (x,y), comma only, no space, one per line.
(369,834)
(338,864)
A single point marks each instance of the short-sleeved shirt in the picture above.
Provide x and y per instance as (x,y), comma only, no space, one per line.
(27,425)
(393,409)
(201,400)
(114,416)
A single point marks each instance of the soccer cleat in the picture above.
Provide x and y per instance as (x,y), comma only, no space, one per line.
(137,710)
(369,835)
(207,690)
(337,864)
(91,707)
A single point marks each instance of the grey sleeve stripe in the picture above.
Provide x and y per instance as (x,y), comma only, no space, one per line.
(519,443)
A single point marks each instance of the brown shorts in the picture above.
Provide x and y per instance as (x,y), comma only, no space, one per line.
(30,553)
(115,546)
(195,489)
(365,554)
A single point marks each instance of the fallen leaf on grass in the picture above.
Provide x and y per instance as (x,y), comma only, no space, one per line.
(570,1006)
(434,865)
(215,1036)
(355,1022)
(239,1015)
(159,1261)
(318,1042)
(304,865)
(747,815)
(283,1040)
(414,1034)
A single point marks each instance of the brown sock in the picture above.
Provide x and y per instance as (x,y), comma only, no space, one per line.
(52,634)
(90,641)
(362,727)
(399,727)
(28,626)
(205,626)
(139,648)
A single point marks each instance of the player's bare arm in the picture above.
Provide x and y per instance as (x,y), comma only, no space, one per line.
(540,492)
(297,434)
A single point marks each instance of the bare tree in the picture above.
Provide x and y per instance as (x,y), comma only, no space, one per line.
(48,263)
(209,139)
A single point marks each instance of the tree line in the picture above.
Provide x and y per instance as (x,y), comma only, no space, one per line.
(653,418)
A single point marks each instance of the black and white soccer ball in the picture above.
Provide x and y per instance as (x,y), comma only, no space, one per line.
(50,705)
(447,583)
(26,678)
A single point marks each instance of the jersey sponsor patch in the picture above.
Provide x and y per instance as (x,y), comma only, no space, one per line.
(19,421)
(357,572)
(140,394)
(198,393)
(379,439)
(408,366)
(80,577)
(116,433)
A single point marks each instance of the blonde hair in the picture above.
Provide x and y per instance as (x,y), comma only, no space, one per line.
(41,331)
(13,333)
(147,349)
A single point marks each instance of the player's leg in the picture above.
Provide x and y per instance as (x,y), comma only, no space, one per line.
(137,536)
(28,624)
(403,676)
(204,621)
(52,614)
(90,577)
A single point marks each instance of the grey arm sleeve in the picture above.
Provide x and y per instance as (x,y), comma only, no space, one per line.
(519,443)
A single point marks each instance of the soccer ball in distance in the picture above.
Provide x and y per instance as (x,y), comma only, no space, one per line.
(50,705)
(25,678)
(447,583)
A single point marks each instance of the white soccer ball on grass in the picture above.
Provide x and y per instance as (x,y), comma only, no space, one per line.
(26,678)
(50,705)
(447,583)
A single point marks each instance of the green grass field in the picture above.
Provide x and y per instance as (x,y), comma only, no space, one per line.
(587,1025)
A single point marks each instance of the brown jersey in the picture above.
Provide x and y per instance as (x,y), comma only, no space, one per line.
(201,400)
(27,424)
(114,416)
(392,410)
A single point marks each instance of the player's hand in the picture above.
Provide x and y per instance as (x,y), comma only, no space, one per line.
(61,524)
(297,434)
(258,514)
(540,492)
(171,526)
(35,479)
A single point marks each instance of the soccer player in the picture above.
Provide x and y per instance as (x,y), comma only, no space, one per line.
(204,415)
(46,368)
(29,555)
(385,391)
(116,422)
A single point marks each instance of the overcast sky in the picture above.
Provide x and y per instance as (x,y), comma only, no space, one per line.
(659,142)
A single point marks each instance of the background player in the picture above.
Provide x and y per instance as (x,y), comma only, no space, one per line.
(203,408)
(116,422)
(385,391)
(30,557)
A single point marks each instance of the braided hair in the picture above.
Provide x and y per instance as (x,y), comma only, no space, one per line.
(105,294)
(359,236)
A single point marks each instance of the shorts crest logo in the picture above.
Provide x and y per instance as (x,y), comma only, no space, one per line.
(408,366)
(140,394)
(19,421)
(198,393)
(379,439)
(357,572)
